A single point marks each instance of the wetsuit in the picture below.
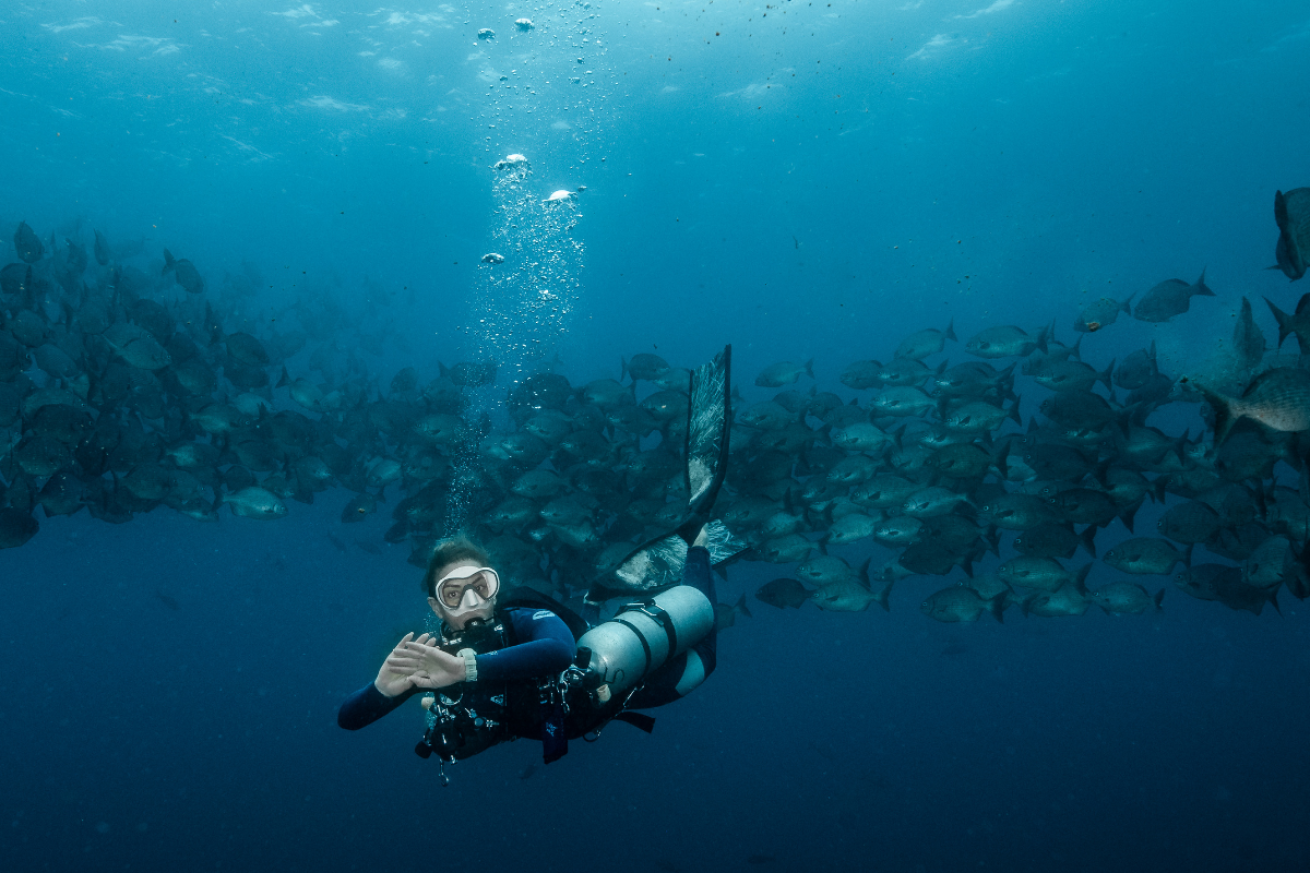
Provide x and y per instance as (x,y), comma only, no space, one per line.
(545,647)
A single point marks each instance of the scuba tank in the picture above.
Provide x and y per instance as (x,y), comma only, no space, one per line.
(642,637)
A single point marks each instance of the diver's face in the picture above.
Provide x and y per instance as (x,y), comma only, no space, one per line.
(463,595)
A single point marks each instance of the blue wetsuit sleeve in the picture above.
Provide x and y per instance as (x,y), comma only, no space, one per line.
(367,705)
(545,646)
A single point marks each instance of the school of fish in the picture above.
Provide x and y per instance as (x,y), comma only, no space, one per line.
(123,391)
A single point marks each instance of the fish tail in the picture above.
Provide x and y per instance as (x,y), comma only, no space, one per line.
(1080,580)
(1201,288)
(1129,512)
(996,606)
(950,332)
(883,597)
(742,608)
(809,368)
(1105,377)
(1124,308)
(1159,596)
(1223,413)
(1088,539)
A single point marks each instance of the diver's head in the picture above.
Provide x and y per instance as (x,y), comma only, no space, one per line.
(461,586)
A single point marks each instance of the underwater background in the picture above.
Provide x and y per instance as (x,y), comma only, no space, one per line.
(802,180)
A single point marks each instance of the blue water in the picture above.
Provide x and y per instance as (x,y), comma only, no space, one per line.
(814,182)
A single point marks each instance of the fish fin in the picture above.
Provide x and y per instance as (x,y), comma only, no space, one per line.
(1187,555)
(1077,351)
(742,607)
(1280,210)
(1045,335)
(809,368)
(864,575)
(1273,601)
(949,333)
(1088,539)
(1284,321)
(1124,308)
(168,262)
(1129,512)
(1014,412)
(1104,378)
(1159,596)
(1202,289)
(996,606)
(999,459)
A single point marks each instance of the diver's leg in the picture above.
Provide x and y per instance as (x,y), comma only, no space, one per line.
(682,675)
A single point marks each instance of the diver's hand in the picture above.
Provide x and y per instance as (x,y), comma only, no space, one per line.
(395,677)
(427,665)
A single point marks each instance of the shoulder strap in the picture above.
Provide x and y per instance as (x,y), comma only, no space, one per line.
(528,598)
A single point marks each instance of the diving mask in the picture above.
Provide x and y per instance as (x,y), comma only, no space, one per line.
(465,589)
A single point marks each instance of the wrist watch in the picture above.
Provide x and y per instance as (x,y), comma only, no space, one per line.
(470,664)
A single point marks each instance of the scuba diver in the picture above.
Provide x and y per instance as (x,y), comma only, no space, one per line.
(530,667)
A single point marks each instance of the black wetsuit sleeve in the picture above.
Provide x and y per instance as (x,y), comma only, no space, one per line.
(697,574)
(545,646)
(367,705)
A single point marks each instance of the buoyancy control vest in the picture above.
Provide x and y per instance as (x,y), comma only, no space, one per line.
(612,661)
(469,717)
